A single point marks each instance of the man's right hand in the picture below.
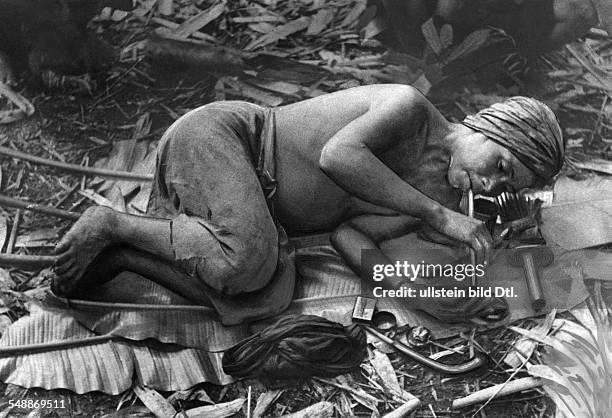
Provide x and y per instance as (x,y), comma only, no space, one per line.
(469,231)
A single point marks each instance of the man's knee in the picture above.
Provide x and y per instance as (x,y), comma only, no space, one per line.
(240,268)
(229,259)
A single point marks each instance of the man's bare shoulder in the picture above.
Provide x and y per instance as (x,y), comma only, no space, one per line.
(393,99)
(389,104)
(374,94)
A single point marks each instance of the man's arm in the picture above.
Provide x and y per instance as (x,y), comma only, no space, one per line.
(350,158)
(365,233)
(379,228)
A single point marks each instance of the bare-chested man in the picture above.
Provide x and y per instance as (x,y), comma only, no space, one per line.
(366,163)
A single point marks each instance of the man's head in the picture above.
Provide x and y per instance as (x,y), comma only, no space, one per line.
(510,145)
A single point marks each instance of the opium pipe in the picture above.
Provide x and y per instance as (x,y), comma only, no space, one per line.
(474,363)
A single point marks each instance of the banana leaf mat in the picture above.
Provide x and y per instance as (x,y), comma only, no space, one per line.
(134,329)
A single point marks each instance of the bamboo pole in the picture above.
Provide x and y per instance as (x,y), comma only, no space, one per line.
(14,350)
(13,236)
(503,389)
(27,261)
(35,207)
(74,168)
(404,410)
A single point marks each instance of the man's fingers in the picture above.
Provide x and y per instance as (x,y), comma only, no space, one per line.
(71,272)
(61,246)
(478,249)
(488,247)
(487,242)
(485,245)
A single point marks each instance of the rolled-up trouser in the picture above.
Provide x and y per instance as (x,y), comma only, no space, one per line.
(222,231)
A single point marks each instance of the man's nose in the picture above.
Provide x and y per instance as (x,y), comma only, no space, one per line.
(492,184)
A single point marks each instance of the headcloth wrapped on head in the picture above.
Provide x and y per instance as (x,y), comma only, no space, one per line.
(528,128)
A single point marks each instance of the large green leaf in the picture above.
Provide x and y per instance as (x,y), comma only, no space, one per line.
(576,363)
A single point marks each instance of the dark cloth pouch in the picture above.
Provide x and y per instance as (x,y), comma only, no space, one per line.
(298,346)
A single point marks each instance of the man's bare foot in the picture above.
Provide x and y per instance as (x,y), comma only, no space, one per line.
(477,310)
(91,234)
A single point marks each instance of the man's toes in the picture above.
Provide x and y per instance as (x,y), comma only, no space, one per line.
(63,246)
(62,268)
(72,272)
(64,257)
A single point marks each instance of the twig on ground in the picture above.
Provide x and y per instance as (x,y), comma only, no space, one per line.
(27,261)
(13,235)
(52,346)
(248,405)
(264,401)
(405,409)
(349,389)
(35,207)
(75,168)
(321,409)
(205,57)
(67,196)
(503,389)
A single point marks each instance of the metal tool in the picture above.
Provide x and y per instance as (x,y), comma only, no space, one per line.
(474,363)
(530,257)
(388,322)
(520,214)
(363,310)
(384,321)
(418,336)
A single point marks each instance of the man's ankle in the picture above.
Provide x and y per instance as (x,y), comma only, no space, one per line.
(111,225)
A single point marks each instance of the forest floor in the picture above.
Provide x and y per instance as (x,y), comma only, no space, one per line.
(141,96)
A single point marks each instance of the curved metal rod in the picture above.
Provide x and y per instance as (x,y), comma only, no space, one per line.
(472,364)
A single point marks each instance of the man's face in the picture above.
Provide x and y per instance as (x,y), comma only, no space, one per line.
(486,167)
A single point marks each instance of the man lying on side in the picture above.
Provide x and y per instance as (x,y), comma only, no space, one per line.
(366,163)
